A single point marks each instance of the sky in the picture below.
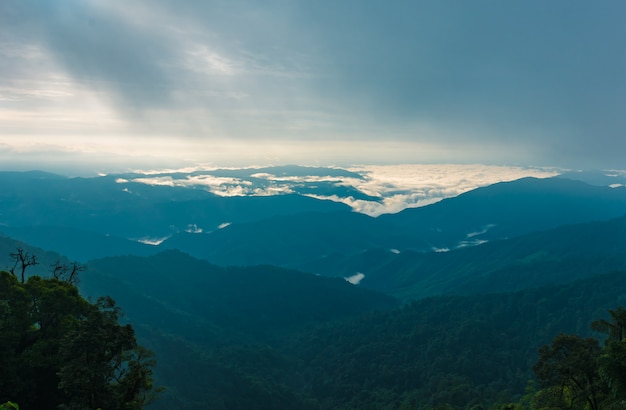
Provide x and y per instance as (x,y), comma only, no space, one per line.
(111,84)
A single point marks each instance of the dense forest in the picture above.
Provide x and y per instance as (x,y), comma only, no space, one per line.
(57,350)
(270,334)
(455,352)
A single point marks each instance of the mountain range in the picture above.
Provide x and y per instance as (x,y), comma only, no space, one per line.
(288,301)
(86,218)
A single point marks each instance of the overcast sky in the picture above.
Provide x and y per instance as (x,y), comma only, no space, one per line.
(239,82)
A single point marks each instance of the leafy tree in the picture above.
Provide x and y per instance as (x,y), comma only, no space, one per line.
(612,361)
(612,369)
(102,365)
(577,373)
(615,330)
(57,350)
(569,367)
(55,308)
(16,332)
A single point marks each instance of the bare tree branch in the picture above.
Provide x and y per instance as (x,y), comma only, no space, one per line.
(23,259)
(67,273)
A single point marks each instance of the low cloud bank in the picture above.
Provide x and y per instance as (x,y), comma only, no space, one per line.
(412,186)
(386,188)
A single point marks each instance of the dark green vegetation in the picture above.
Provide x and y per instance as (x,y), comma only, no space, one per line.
(250,304)
(57,350)
(274,342)
(454,351)
(220,334)
(577,373)
(460,329)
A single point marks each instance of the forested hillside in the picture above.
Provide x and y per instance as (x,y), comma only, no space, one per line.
(282,342)
(269,338)
(276,220)
(457,351)
(554,256)
(58,350)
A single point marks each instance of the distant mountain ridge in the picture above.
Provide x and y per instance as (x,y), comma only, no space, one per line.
(108,215)
(33,204)
(509,209)
(192,292)
(550,257)
(503,210)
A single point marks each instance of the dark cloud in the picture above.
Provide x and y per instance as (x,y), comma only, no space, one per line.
(521,65)
(99,49)
(545,78)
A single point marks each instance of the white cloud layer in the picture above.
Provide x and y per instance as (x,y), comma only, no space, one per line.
(389,189)
(411,186)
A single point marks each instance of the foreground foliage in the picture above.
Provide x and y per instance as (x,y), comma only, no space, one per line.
(57,350)
(269,338)
(576,373)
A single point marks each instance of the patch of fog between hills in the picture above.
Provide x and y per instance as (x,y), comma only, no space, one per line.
(152,241)
(396,187)
(191,228)
(355,279)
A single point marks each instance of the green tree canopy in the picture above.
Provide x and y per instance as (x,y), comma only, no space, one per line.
(578,373)
(57,350)
(570,364)
(612,361)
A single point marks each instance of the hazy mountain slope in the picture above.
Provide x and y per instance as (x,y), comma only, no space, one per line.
(500,211)
(597,177)
(111,205)
(289,240)
(460,351)
(94,215)
(77,244)
(456,350)
(205,322)
(554,256)
(260,300)
(510,209)
(286,230)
